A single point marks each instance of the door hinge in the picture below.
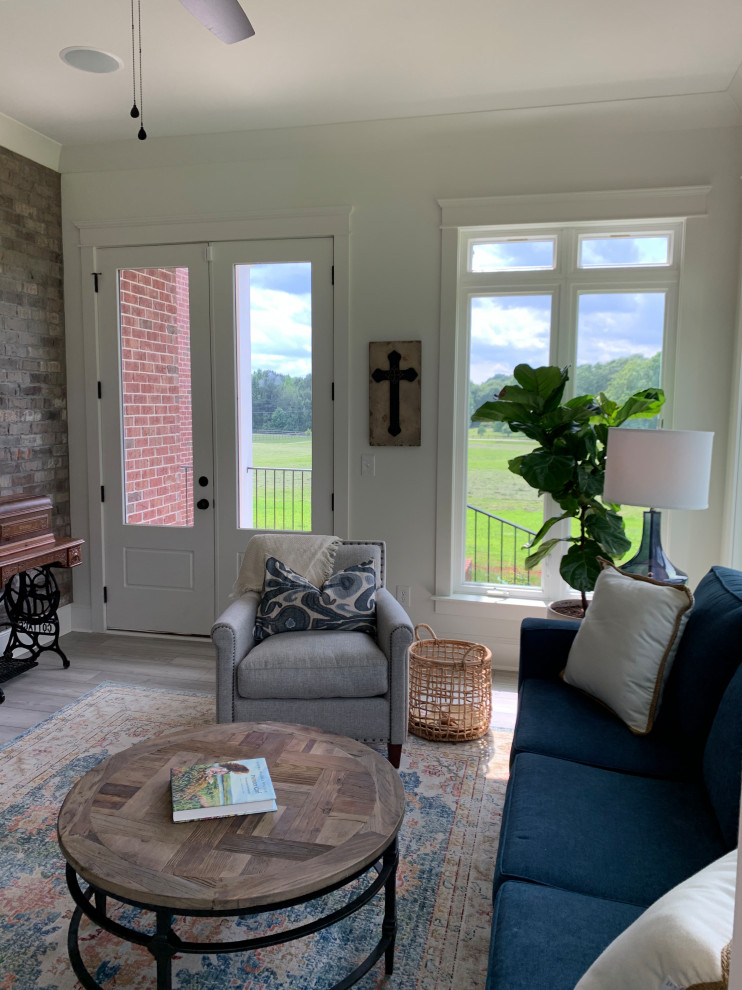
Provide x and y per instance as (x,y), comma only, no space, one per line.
(99,390)
(102,493)
(95,280)
(105,595)
(333,392)
(332,276)
(209,252)
(332,502)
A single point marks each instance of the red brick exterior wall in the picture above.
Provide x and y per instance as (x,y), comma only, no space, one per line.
(155,359)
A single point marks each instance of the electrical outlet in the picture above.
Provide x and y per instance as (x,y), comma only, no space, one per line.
(368,465)
(403,595)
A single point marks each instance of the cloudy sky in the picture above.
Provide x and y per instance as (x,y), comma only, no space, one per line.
(276,303)
(505,329)
(511,329)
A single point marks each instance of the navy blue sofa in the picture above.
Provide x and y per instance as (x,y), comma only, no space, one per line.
(598,822)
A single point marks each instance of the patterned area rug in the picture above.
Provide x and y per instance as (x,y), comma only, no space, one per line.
(448,842)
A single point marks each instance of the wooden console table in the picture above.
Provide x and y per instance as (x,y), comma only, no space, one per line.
(30,592)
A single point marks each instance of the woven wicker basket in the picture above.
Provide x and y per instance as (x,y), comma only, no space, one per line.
(450,688)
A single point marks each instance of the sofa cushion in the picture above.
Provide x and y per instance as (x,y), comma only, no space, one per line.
(290,603)
(314,665)
(708,655)
(602,833)
(626,644)
(682,940)
(545,938)
(722,760)
(558,720)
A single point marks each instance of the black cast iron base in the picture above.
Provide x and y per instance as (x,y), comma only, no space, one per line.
(31,600)
(165,942)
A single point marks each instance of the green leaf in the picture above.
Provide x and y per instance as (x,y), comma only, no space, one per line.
(500,411)
(546,471)
(607,406)
(545,529)
(590,480)
(608,531)
(641,405)
(580,567)
(544,382)
(515,462)
(543,551)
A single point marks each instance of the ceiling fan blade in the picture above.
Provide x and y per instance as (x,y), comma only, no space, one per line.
(224,18)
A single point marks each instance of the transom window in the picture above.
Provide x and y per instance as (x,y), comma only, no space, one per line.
(599,298)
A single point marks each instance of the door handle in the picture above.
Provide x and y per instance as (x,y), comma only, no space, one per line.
(203,503)
(203,481)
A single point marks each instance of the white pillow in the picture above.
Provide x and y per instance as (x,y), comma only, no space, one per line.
(682,940)
(625,646)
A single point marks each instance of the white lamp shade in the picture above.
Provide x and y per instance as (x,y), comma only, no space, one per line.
(660,469)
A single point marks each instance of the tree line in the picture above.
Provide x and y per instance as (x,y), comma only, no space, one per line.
(619,379)
(281,403)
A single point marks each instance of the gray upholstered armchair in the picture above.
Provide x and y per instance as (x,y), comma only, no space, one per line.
(344,682)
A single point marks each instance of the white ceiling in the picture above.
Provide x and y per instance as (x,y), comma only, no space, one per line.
(327,61)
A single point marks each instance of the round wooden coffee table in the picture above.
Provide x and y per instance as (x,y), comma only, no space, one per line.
(340,806)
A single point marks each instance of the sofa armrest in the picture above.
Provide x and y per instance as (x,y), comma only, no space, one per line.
(544,647)
(232,635)
(394,634)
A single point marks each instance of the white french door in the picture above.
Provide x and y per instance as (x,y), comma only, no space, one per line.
(272,316)
(216,417)
(157,457)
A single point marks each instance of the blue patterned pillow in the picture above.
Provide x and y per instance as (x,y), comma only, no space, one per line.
(290,603)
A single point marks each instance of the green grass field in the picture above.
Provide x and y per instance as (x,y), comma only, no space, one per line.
(278,499)
(495,489)
(491,487)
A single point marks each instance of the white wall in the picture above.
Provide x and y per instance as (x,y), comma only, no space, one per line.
(392,173)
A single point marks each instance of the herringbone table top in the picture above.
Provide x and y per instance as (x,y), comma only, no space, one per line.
(339,806)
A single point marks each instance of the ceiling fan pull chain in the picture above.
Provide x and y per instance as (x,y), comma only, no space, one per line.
(134,112)
(142,135)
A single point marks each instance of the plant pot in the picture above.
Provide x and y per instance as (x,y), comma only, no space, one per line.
(566,608)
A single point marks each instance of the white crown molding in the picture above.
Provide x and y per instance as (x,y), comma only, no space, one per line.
(25,141)
(612,204)
(310,222)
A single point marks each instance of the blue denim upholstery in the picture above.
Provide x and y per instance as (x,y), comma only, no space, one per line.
(598,822)
(575,928)
(603,833)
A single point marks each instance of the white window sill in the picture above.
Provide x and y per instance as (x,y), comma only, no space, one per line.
(511,607)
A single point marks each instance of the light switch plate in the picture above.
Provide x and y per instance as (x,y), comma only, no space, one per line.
(368,465)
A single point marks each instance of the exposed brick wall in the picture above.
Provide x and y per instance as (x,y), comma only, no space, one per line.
(155,351)
(33,405)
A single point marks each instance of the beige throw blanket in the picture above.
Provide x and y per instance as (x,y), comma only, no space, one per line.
(311,556)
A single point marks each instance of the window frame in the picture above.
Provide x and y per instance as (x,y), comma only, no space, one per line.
(565,282)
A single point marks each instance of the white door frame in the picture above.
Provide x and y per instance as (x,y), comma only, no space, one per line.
(331,222)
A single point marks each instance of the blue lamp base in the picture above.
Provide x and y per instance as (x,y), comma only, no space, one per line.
(651,560)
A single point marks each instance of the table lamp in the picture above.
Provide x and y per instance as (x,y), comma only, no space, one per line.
(663,469)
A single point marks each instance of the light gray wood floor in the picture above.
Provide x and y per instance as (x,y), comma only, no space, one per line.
(167,662)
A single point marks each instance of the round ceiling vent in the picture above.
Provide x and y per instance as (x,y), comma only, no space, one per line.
(90,59)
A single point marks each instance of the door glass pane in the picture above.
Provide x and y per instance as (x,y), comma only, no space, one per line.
(619,352)
(274,361)
(625,251)
(503,512)
(512,255)
(154,323)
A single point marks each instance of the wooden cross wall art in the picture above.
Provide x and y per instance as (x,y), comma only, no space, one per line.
(394,393)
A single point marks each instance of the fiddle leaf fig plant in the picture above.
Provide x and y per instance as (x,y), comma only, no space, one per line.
(568,463)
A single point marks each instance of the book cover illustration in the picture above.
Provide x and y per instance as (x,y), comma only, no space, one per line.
(231,787)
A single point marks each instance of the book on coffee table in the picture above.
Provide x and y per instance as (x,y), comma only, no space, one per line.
(215,790)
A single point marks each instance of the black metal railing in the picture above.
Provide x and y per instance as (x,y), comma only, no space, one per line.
(282,498)
(496,548)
